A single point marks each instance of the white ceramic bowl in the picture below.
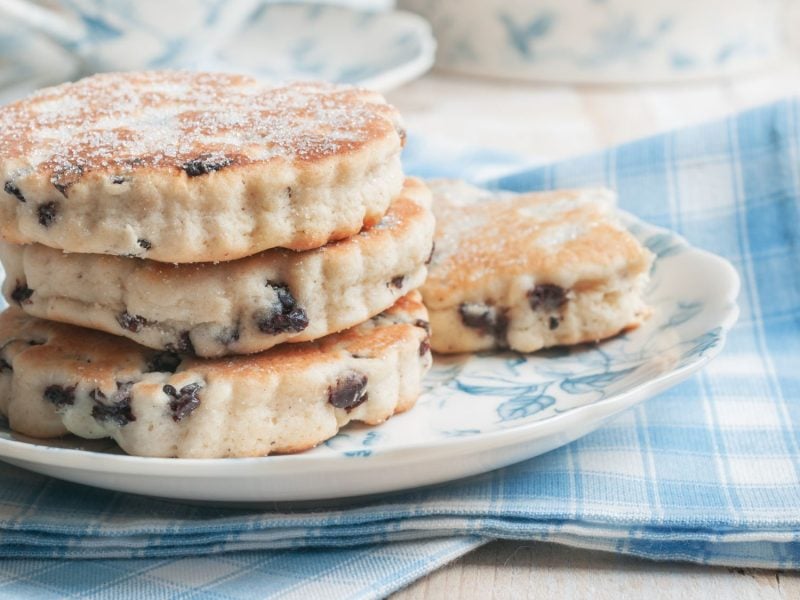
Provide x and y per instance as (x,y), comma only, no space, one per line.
(602,41)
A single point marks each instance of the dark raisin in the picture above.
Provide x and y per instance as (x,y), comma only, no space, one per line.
(423,324)
(118,179)
(554,322)
(119,411)
(430,256)
(133,323)
(424,346)
(65,174)
(289,192)
(478,316)
(488,320)
(349,391)
(288,317)
(5,365)
(230,335)
(501,329)
(184,402)
(22,293)
(184,344)
(146,244)
(202,165)
(397,281)
(547,297)
(164,362)
(59,395)
(11,188)
(47,213)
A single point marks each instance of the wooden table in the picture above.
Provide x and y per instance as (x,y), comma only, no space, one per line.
(551,122)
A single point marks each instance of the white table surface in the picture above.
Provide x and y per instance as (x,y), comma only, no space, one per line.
(551,122)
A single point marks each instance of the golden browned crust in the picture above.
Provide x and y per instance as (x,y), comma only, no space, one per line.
(104,359)
(124,124)
(57,378)
(529,271)
(225,308)
(191,167)
(567,237)
(371,339)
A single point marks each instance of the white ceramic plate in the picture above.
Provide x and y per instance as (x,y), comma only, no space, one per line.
(479,413)
(282,42)
(378,50)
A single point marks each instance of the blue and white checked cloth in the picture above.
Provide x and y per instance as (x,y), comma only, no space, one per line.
(708,472)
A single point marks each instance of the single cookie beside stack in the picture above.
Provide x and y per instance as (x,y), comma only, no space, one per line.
(530,271)
(206,215)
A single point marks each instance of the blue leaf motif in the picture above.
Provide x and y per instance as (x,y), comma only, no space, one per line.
(514,362)
(680,60)
(593,383)
(521,35)
(100,30)
(501,388)
(460,432)
(354,74)
(663,245)
(370,438)
(169,54)
(358,453)
(703,343)
(686,312)
(522,407)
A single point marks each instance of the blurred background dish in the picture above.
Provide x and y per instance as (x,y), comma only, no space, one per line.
(367,46)
(29,61)
(378,50)
(116,35)
(603,41)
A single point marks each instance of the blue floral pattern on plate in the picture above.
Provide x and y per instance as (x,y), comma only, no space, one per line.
(280,42)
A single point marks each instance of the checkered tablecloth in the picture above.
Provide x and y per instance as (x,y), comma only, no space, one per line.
(708,472)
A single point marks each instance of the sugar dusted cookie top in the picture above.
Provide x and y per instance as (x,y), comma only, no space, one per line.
(563,238)
(118,124)
(190,167)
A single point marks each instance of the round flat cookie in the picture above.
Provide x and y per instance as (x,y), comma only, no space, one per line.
(193,167)
(528,271)
(57,378)
(238,307)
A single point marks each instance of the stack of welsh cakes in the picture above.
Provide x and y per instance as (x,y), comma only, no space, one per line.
(199,265)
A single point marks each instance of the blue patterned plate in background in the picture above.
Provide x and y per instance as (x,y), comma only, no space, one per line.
(478,413)
(378,50)
(281,42)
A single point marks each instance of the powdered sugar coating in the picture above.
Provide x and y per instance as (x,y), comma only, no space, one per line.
(529,271)
(561,237)
(120,123)
(195,167)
